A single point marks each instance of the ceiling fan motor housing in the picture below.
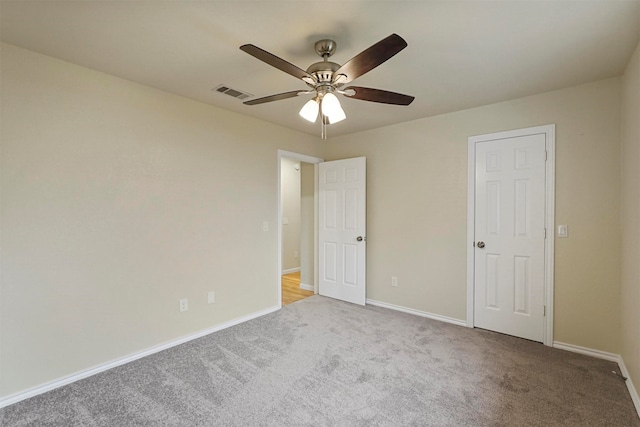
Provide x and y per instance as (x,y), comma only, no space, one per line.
(323,71)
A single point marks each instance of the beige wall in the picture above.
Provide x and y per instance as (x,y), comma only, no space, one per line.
(416,211)
(117,201)
(630,155)
(290,196)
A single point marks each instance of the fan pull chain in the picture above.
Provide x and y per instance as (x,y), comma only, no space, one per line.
(323,132)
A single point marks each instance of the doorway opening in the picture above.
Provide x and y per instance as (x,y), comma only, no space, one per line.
(297,231)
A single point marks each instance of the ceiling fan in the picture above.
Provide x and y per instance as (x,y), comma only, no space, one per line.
(326,79)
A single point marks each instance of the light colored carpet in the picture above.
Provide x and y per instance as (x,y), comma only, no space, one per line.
(321,362)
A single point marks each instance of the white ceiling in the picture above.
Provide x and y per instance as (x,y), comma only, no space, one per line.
(461,54)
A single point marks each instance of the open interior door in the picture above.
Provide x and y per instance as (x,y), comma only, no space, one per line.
(342,230)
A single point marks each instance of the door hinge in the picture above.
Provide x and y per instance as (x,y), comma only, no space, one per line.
(546,155)
(545,233)
(544,311)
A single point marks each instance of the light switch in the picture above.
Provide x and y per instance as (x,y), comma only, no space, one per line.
(563,231)
(285,221)
(265,226)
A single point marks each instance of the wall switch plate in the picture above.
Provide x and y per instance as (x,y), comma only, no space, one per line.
(285,221)
(394,281)
(295,254)
(184,305)
(265,226)
(563,231)
(211,297)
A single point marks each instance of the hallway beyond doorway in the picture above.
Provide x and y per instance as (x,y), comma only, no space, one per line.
(291,291)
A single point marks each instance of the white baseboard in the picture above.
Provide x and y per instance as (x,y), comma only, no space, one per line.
(417,312)
(606,356)
(307,287)
(632,390)
(587,351)
(291,270)
(17,397)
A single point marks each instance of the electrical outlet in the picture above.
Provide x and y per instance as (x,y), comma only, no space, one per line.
(184,305)
(394,281)
(211,297)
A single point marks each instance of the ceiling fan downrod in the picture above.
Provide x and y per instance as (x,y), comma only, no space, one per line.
(323,71)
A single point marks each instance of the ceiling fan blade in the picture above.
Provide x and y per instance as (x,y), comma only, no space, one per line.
(279,63)
(378,95)
(370,58)
(277,97)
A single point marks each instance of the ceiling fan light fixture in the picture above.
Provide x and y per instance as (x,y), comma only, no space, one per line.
(332,109)
(309,110)
(337,116)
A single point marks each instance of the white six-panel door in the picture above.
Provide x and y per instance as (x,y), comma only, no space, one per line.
(342,228)
(509,294)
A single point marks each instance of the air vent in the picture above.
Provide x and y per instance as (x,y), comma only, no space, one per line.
(232,92)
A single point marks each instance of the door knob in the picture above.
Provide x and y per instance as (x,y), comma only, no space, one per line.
(480,245)
(360,238)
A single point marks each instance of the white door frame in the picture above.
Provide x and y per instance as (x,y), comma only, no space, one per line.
(549,132)
(306,159)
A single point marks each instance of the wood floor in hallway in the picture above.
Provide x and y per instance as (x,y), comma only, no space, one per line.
(291,291)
